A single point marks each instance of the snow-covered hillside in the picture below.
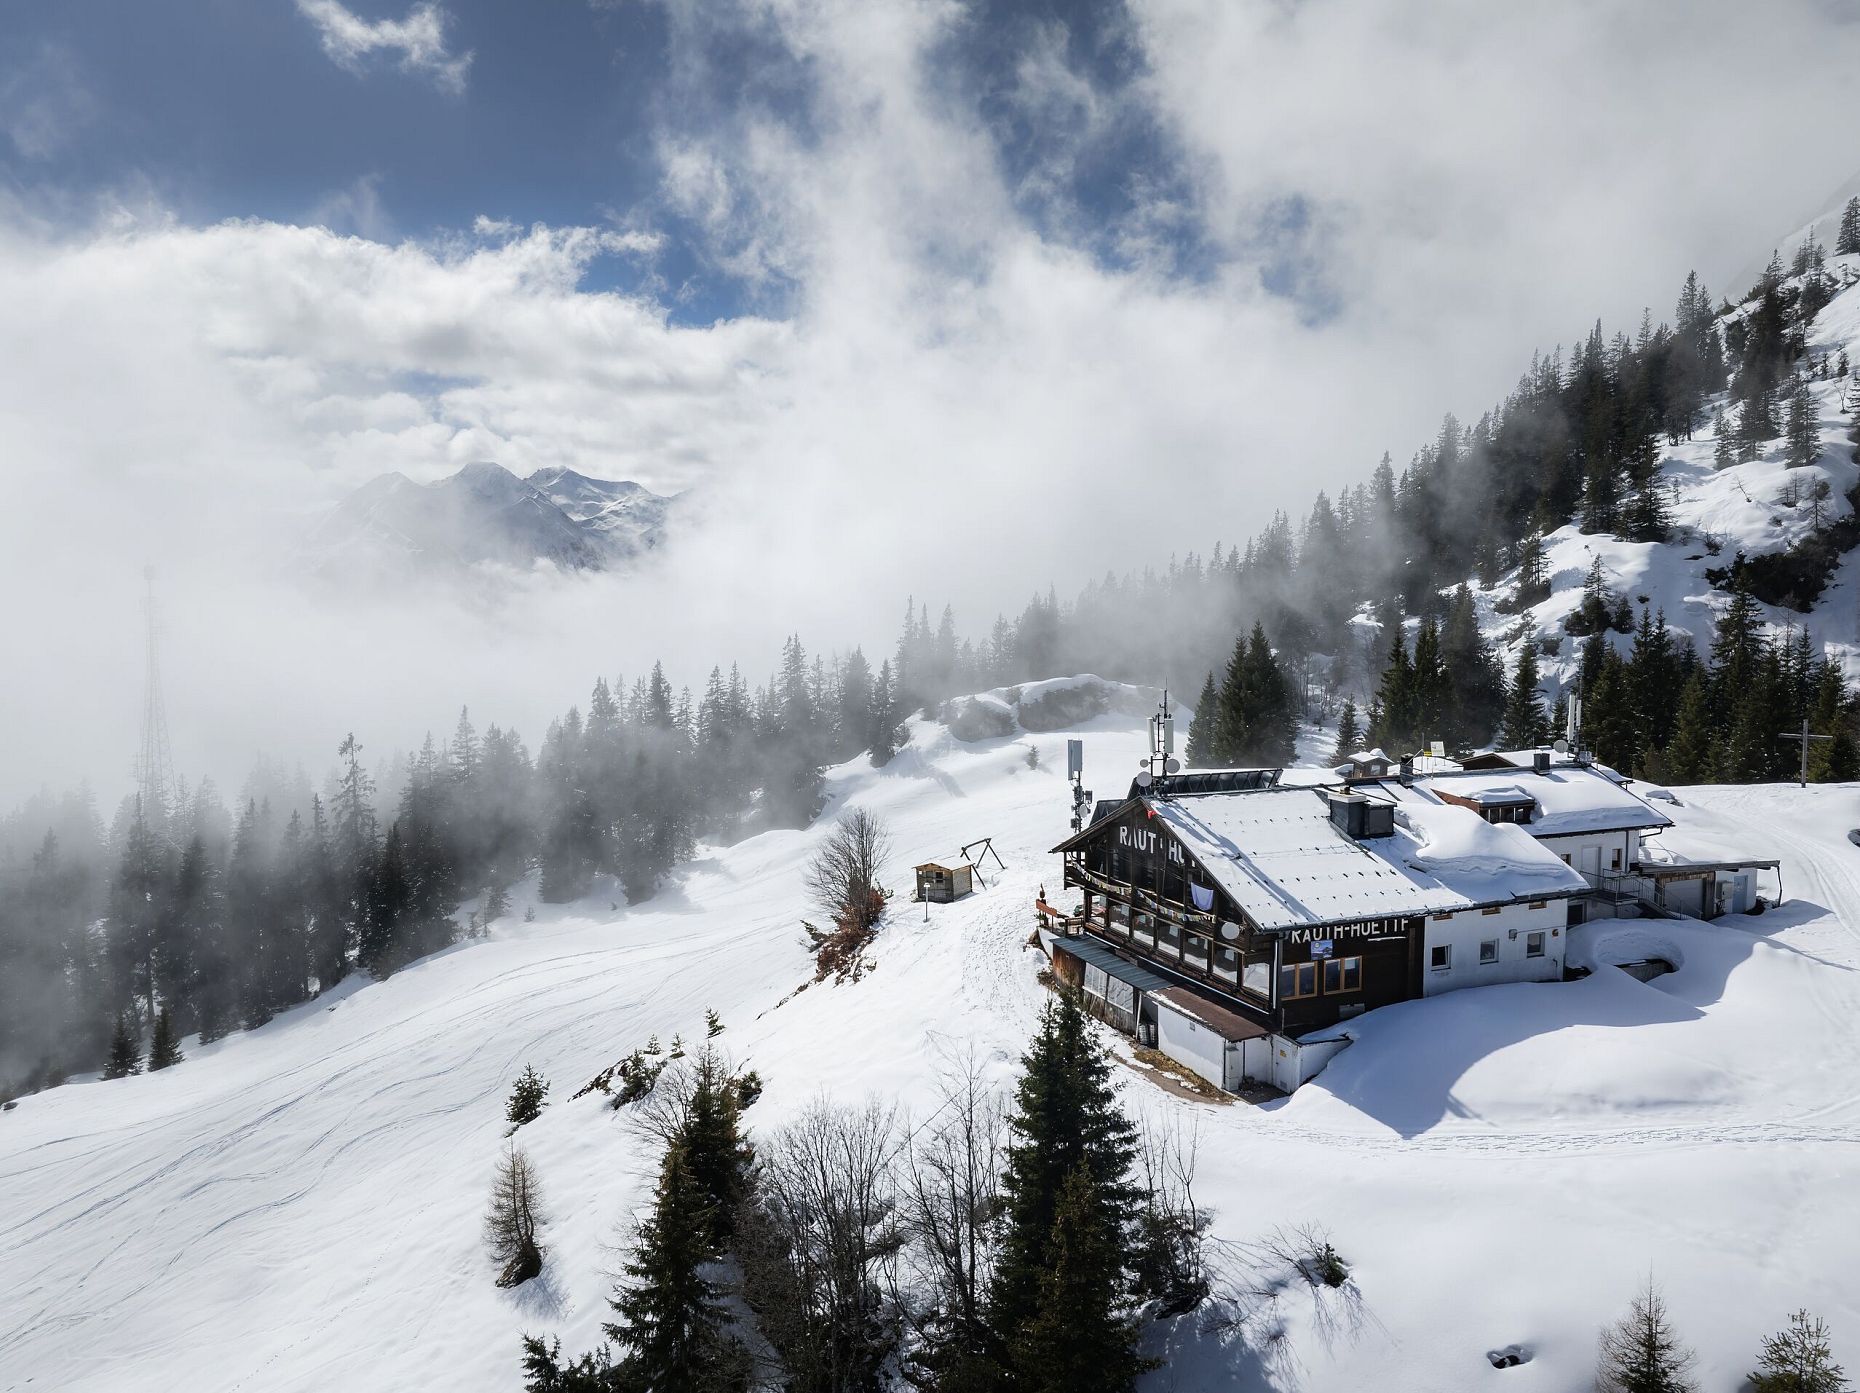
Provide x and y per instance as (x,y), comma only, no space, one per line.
(1716,513)
(298,1207)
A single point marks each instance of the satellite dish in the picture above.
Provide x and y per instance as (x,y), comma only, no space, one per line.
(1230,931)
(1144,779)
(1560,745)
(1172,766)
(1144,763)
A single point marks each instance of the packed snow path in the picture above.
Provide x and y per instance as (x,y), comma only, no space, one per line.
(298,1207)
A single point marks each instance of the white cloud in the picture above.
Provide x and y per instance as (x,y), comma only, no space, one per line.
(417,42)
(958,404)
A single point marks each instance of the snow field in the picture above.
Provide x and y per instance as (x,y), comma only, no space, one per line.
(298,1207)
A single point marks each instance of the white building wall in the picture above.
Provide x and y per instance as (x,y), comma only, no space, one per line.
(1190,1043)
(1609,853)
(1463,932)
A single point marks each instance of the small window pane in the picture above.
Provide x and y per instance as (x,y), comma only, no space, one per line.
(1442,956)
(1534,945)
(1488,950)
(1257,978)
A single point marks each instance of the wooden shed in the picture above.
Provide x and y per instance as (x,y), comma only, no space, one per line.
(940,884)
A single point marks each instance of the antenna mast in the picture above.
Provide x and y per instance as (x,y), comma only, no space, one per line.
(155,781)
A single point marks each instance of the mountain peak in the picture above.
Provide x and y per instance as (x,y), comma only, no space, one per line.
(484,514)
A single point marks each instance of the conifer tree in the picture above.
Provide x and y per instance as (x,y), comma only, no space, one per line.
(670,1321)
(1802,431)
(1523,727)
(125,1051)
(1799,1359)
(526,1098)
(1198,752)
(1081,1338)
(1349,737)
(1065,1118)
(1692,757)
(164,1049)
(1847,240)
(1640,1353)
(714,1149)
(1533,572)
(1724,441)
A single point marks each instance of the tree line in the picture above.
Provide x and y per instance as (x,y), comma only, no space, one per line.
(190,919)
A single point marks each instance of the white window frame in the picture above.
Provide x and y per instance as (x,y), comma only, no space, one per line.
(1488,951)
(1534,943)
(1440,958)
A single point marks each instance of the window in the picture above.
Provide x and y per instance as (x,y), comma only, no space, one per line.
(1168,938)
(1439,917)
(1440,958)
(1540,904)
(1534,944)
(1615,859)
(1296,980)
(1143,928)
(1195,951)
(1227,962)
(1343,975)
(1493,909)
(1256,977)
(1488,951)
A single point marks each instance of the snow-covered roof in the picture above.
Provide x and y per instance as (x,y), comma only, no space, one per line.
(1279,856)
(1569,798)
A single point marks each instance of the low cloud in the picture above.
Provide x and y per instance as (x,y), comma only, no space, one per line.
(956,386)
(417,44)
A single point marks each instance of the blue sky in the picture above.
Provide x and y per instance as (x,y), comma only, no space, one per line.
(233,108)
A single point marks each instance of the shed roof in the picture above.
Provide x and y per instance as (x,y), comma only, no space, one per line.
(1279,856)
(1098,955)
(1228,1024)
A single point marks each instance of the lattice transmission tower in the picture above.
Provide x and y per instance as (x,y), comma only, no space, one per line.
(155,782)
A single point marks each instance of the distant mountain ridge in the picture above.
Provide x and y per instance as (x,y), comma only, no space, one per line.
(484,515)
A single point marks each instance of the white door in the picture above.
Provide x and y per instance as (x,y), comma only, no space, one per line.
(1589,862)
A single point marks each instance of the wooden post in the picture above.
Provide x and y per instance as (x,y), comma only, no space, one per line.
(1805,738)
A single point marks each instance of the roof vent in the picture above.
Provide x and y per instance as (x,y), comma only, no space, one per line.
(1540,761)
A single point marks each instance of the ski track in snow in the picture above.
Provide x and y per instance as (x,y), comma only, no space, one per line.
(298,1206)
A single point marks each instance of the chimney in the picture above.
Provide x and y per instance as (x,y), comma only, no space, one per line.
(1407,771)
(1540,761)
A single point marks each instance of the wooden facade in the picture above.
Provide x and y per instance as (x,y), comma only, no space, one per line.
(1148,895)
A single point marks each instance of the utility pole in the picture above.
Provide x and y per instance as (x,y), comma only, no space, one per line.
(1805,738)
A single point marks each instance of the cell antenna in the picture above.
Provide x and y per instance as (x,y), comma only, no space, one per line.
(155,781)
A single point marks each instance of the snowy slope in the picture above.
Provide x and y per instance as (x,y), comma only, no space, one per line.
(1716,513)
(298,1208)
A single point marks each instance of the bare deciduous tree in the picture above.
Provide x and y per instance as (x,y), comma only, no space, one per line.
(513,1217)
(1171,1265)
(843,877)
(950,1191)
(815,1244)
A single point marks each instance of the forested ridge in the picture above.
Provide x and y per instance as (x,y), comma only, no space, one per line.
(200,917)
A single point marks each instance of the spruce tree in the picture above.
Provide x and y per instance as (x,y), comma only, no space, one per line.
(670,1321)
(526,1098)
(164,1049)
(1802,432)
(1198,753)
(1640,1353)
(1724,441)
(1233,710)
(1349,737)
(1081,1338)
(1065,1117)
(1847,240)
(1692,756)
(1523,727)
(125,1051)
(1799,1359)
(714,1149)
